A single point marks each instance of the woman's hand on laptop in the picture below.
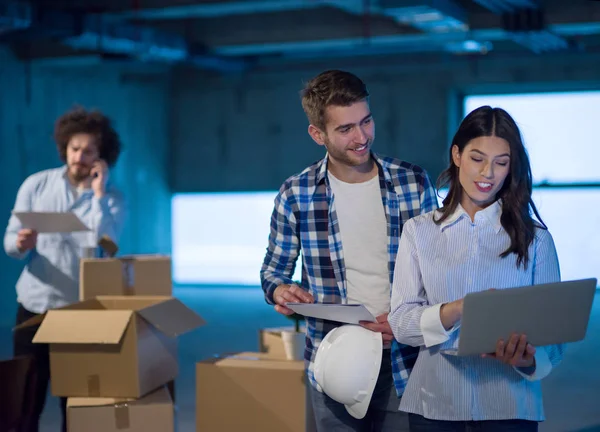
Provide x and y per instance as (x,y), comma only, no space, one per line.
(451,313)
(516,352)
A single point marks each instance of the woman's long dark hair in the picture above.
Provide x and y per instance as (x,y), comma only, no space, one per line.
(515,193)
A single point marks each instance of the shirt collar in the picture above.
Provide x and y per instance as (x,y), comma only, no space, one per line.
(322,168)
(491,214)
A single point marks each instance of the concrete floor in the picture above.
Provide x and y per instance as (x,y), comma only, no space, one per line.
(234,316)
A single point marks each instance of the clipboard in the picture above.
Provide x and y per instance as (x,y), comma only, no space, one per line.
(344,313)
(51,222)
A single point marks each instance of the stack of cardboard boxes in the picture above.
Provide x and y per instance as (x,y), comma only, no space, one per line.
(114,353)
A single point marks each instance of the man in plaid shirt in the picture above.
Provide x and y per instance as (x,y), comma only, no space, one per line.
(345,214)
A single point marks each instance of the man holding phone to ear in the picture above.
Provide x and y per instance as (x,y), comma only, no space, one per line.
(88,146)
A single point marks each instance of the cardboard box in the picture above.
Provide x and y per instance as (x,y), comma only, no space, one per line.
(250,392)
(122,347)
(270,341)
(152,413)
(128,275)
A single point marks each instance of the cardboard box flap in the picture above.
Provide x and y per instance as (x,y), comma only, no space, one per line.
(171,317)
(249,355)
(158,396)
(30,322)
(96,401)
(143,257)
(131,303)
(257,362)
(88,304)
(83,326)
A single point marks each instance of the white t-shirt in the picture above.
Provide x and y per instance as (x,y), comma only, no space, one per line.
(363,230)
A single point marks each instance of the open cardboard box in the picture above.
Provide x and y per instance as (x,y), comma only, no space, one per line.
(114,346)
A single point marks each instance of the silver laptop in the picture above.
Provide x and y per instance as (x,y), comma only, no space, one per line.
(548,314)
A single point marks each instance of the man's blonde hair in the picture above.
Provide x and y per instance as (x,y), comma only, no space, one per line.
(332,87)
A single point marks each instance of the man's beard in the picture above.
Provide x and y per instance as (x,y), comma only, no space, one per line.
(79,174)
(343,155)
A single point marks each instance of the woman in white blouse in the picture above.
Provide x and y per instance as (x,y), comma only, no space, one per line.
(483,237)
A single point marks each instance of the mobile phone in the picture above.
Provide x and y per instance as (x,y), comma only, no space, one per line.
(96,174)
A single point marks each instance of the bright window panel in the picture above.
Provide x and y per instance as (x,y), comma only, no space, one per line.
(221,238)
(559,131)
(573,219)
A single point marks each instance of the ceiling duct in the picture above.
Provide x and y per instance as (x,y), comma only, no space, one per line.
(524,22)
(93,33)
(427,15)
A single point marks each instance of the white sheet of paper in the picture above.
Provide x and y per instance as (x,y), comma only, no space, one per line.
(51,222)
(345,313)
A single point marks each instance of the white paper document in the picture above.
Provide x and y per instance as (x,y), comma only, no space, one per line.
(345,313)
(51,222)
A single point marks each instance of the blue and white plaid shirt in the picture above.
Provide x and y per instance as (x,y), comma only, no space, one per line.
(304,219)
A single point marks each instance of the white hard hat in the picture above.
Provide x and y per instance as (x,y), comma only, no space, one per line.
(347,365)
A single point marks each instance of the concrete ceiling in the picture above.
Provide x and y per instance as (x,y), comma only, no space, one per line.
(237,35)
